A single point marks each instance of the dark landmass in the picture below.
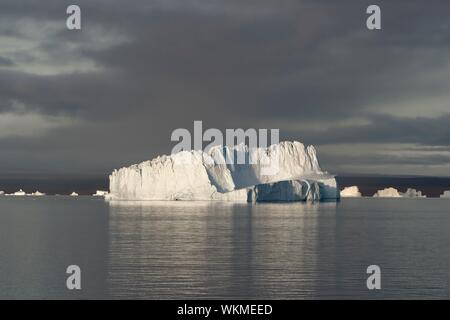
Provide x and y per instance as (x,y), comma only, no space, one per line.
(88,184)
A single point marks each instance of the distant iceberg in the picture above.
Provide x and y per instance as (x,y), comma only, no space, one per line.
(22,193)
(412,193)
(198,175)
(74,194)
(387,193)
(446,194)
(19,193)
(394,193)
(350,192)
(37,194)
(100,193)
(2,193)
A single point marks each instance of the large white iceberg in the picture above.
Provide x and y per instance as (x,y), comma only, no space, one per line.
(350,192)
(282,172)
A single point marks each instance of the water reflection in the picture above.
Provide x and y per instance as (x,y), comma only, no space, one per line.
(40,238)
(223,250)
(213,249)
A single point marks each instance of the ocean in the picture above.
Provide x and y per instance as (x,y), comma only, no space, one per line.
(190,250)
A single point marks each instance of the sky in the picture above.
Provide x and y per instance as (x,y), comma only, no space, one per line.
(110,94)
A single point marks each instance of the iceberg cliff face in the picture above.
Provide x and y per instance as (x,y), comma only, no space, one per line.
(197,175)
(181,176)
(278,162)
(291,190)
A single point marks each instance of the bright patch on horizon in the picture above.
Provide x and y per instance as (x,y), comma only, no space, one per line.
(31,124)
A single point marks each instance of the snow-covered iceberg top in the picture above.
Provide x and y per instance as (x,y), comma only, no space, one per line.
(198,175)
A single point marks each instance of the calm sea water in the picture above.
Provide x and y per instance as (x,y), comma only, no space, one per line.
(192,250)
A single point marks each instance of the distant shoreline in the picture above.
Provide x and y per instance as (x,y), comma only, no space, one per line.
(88,184)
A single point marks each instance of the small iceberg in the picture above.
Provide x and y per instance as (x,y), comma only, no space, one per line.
(350,192)
(394,193)
(37,194)
(100,193)
(2,193)
(446,194)
(74,194)
(412,193)
(387,193)
(19,193)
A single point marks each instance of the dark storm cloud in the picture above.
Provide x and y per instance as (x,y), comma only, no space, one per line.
(391,160)
(386,129)
(139,70)
(6,62)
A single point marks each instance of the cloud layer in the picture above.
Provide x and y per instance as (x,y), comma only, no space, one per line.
(111,94)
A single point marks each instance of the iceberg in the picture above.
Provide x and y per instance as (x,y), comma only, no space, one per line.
(287,171)
(100,193)
(412,193)
(387,193)
(394,193)
(446,194)
(19,193)
(2,193)
(74,194)
(37,194)
(350,192)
